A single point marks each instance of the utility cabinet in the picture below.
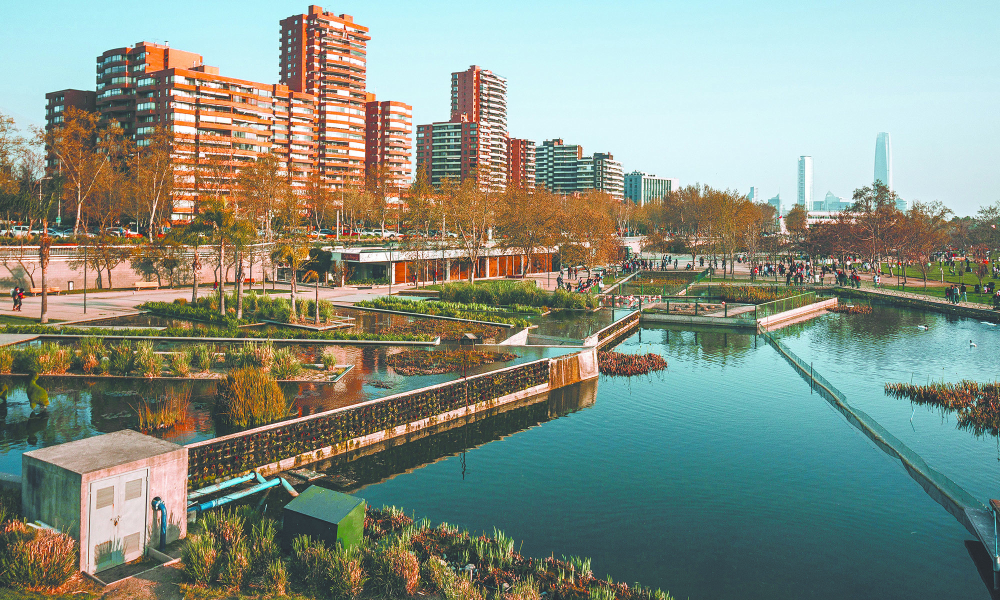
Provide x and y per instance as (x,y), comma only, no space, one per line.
(99,490)
(326,515)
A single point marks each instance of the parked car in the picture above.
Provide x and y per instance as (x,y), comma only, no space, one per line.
(16,231)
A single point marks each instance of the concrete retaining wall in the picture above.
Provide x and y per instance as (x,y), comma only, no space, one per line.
(787,317)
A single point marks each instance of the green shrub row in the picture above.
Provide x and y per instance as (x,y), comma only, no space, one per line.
(472,312)
(513,293)
(208,332)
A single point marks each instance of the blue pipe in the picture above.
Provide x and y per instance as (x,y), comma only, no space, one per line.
(234,496)
(288,487)
(205,491)
(158,505)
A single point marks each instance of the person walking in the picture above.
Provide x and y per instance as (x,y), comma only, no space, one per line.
(13,297)
(20,299)
(965,297)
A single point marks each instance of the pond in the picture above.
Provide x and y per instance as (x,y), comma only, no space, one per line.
(722,477)
(81,407)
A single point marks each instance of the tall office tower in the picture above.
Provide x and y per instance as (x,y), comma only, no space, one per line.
(642,188)
(324,54)
(883,160)
(776,203)
(556,166)
(480,96)
(119,69)
(521,164)
(805,182)
(608,175)
(388,126)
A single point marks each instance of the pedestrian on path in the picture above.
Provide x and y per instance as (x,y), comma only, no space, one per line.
(965,298)
(13,297)
(20,299)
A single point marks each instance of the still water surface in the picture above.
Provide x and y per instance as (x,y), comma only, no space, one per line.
(722,477)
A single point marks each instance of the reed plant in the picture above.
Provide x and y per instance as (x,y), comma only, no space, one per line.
(249,398)
(10,504)
(121,358)
(35,559)
(336,572)
(147,362)
(236,549)
(286,365)
(6,360)
(393,569)
(164,412)
(202,356)
(180,363)
(89,352)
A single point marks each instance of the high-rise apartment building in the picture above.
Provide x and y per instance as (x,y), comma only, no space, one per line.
(56,104)
(776,203)
(608,175)
(388,126)
(883,159)
(324,54)
(520,164)
(480,96)
(449,151)
(119,69)
(645,187)
(556,166)
(805,197)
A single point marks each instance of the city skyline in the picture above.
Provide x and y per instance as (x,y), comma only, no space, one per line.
(820,112)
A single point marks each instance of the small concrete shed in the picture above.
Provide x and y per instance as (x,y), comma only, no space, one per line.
(99,490)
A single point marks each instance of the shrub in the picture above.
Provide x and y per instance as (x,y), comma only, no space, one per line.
(285,366)
(6,360)
(180,301)
(35,559)
(249,398)
(234,566)
(121,358)
(180,363)
(147,362)
(199,558)
(26,360)
(329,358)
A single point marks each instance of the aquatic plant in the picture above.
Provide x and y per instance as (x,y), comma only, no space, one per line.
(202,356)
(163,412)
(6,359)
(35,559)
(751,294)
(147,362)
(627,365)
(121,358)
(428,362)
(322,571)
(286,365)
(249,398)
(90,351)
(180,363)
(851,309)
(393,569)
(513,293)
(977,405)
(329,358)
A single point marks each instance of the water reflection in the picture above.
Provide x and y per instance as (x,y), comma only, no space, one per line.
(713,343)
(353,471)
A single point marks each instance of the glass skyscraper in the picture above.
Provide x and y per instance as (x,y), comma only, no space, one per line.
(883,160)
(805,182)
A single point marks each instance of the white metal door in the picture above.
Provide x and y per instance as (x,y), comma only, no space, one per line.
(117,520)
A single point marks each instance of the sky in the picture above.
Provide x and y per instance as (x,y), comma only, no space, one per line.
(727,94)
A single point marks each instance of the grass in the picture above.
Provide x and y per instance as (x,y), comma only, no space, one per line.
(6,319)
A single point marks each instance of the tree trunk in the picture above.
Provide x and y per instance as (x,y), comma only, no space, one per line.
(222,279)
(316,308)
(196,266)
(239,285)
(43,257)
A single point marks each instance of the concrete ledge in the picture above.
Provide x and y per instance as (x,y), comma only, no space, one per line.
(787,317)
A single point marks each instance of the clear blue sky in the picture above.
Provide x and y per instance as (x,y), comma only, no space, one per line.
(724,93)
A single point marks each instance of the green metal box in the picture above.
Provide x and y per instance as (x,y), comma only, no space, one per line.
(326,515)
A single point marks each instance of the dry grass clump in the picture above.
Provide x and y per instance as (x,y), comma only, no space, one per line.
(237,550)
(35,559)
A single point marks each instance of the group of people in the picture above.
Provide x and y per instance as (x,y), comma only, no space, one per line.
(956,294)
(17,295)
(592,282)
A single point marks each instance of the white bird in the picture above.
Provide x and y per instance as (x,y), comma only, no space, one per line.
(988,323)
(922,327)
(972,344)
